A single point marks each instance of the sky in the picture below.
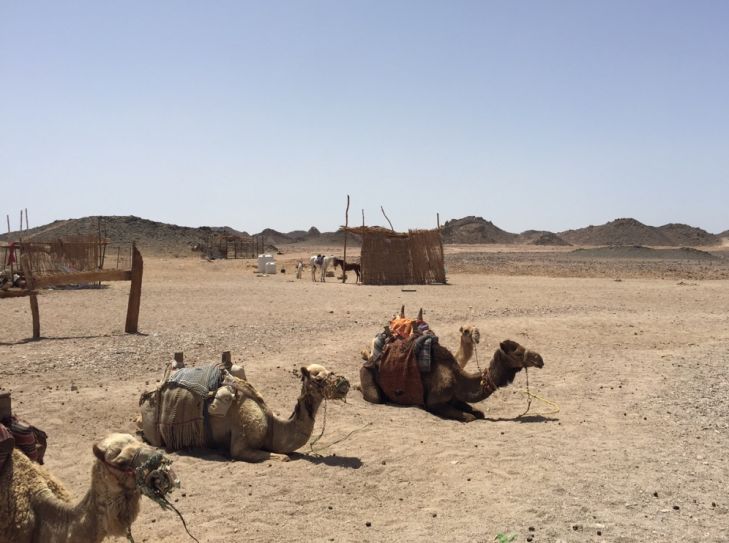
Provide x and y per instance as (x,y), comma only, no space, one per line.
(532,114)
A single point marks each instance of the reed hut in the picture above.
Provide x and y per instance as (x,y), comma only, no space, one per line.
(400,258)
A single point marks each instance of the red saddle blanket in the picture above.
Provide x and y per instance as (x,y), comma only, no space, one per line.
(398,375)
(16,433)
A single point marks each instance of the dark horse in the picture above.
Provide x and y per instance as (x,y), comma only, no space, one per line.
(350,266)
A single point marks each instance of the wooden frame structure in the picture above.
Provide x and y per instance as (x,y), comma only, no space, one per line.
(35,282)
(400,258)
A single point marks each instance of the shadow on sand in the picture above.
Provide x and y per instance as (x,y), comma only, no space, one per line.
(524,419)
(351,462)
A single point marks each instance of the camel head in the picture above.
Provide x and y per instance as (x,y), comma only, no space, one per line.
(132,464)
(519,357)
(470,333)
(321,382)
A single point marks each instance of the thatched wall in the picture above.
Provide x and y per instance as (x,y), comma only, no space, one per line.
(391,258)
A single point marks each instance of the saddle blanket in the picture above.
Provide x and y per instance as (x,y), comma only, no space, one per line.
(398,374)
(200,380)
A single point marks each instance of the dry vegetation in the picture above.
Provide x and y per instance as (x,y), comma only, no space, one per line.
(638,366)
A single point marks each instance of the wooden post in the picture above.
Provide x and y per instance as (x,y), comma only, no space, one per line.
(226,359)
(36,315)
(135,292)
(388,219)
(344,258)
(5,404)
(440,240)
(27,226)
(363,218)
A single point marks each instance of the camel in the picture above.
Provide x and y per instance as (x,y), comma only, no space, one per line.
(35,507)
(470,336)
(449,389)
(244,425)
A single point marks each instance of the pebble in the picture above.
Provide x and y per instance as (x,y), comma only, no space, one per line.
(655,494)
(368,524)
(676,508)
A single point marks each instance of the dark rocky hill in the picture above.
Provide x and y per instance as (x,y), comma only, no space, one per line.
(633,232)
(475,230)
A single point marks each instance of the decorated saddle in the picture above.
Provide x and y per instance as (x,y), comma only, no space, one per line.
(402,352)
(174,414)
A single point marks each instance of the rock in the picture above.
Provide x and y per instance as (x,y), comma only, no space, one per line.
(368,524)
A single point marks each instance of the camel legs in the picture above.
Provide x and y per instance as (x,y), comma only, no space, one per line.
(240,451)
(467,408)
(370,391)
(447,411)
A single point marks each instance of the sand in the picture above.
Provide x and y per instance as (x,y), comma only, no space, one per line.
(638,367)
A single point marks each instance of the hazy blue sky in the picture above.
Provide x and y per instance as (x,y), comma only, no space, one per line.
(541,114)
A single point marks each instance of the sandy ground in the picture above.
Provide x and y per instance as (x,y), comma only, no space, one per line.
(636,453)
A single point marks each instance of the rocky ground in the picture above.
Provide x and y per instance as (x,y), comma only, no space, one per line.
(638,368)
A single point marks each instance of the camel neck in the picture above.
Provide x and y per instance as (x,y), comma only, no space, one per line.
(102,512)
(291,434)
(465,351)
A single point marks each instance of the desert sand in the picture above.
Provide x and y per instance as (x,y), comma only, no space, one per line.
(635,357)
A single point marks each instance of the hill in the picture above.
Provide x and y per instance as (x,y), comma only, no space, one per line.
(541,237)
(633,232)
(475,230)
(150,235)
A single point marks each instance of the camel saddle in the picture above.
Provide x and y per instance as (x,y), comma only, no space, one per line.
(398,374)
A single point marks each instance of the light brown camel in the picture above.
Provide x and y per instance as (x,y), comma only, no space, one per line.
(36,508)
(470,336)
(449,390)
(248,428)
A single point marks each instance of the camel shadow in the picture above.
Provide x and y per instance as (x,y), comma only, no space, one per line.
(526,419)
(351,462)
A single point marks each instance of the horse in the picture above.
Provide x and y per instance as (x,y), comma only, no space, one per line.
(350,266)
(320,262)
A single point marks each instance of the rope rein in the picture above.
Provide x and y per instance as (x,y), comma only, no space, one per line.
(485,380)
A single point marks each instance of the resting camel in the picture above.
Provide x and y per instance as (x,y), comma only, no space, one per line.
(470,336)
(36,508)
(449,390)
(242,423)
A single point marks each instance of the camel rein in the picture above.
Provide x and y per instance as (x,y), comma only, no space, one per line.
(486,380)
(156,464)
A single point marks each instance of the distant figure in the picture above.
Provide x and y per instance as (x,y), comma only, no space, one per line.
(299,269)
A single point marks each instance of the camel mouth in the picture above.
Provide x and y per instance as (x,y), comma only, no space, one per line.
(154,475)
(539,362)
(338,389)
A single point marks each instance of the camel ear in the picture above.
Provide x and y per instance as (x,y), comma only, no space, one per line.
(98,453)
(304,372)
(420,314)
(402,312)
(508,346)
(461,329)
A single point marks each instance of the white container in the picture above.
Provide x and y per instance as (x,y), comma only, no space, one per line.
(262,260)
(271,268)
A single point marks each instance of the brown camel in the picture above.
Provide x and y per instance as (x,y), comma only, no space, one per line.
(449,390)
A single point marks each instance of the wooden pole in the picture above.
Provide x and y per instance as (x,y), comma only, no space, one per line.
(26,219)
(388,220)
(36,315)
(363,219)
(21,220)
(346,227)
(135,292)
(440,240)
(226,359)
